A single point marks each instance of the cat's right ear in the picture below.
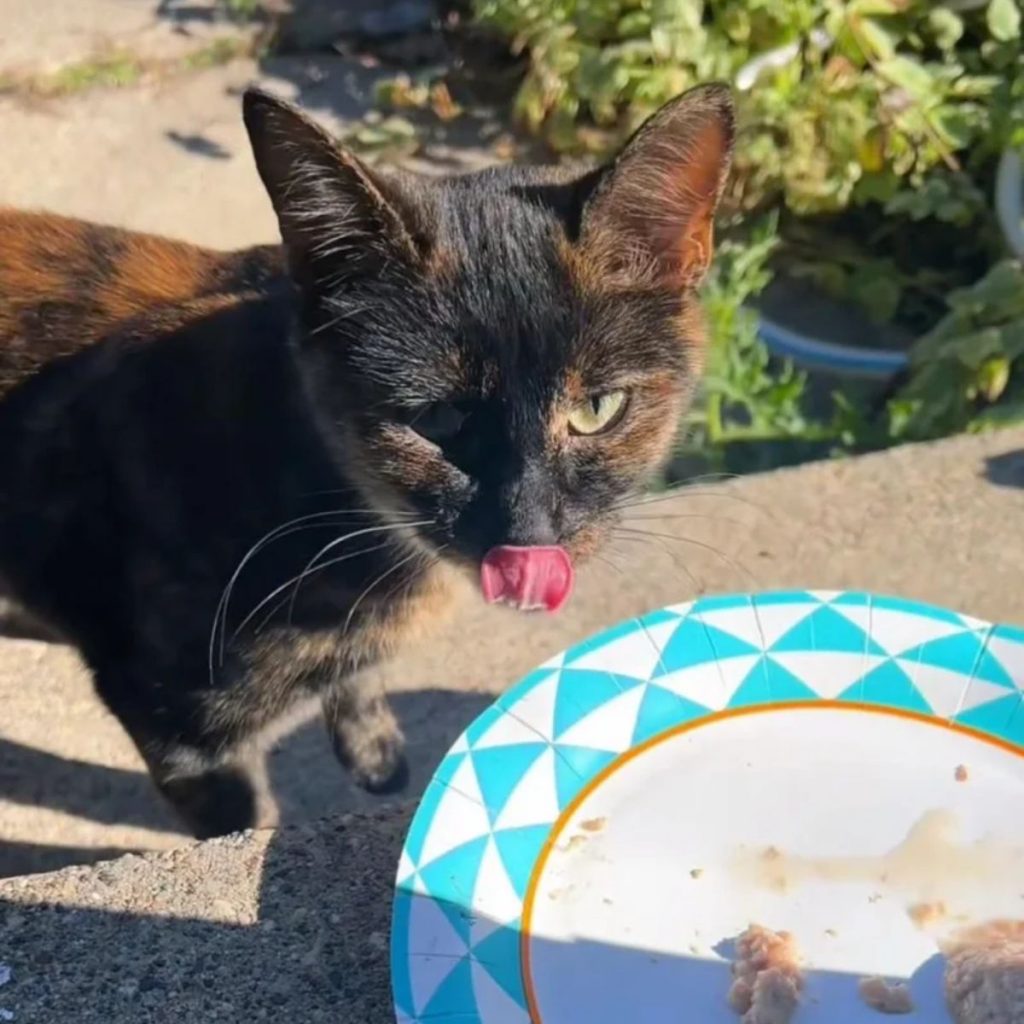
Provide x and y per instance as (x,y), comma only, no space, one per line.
(649,215)
(337,218)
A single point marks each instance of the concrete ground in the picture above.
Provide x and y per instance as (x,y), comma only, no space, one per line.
(296,921)
(169,153)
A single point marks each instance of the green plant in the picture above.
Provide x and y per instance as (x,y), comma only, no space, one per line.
(744,397)
(877,94)
(114,70)
(876,142)
(962,372)
(750,402)
(961,377)
(220,51)
(243,10)
(377,138)
(887,118)
(386,132)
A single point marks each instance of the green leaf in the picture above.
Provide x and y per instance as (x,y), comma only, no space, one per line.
(884,7)
(969,349)
(910,75)
(993,376)
(875,39)
(1003,17)
(1012,338)
(947,27)
(997,297)
(877,289)
(954,125)
(635,23)
(1006,414)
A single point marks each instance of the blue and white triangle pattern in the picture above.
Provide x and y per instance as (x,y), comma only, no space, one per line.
(487,813)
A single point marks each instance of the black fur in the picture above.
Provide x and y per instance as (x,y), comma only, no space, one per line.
(408,380)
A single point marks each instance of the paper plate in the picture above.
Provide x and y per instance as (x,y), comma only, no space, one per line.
(840,765)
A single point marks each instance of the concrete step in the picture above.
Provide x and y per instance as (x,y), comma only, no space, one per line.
(265,926)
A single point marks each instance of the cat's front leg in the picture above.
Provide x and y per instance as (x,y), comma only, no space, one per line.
(365,735)
(212,799)
(206,774)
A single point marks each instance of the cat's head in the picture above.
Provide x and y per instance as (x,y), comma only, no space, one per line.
(507,353)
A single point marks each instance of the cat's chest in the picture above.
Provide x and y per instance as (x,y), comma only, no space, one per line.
(319,649)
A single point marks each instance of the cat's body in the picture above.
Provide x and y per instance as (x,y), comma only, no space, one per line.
(232,487)
(191,399)
(64,283)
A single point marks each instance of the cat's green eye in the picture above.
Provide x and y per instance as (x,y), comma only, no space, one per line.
(598,413)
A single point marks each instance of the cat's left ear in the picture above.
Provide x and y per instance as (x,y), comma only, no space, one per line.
(651,211)
(337,217)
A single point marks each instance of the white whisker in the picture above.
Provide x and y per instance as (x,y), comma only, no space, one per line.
(685,493)
(220,615)
(735,566)
(380,579)
(671,554)
(669,517)
(430,562)
(298,579)
(391,527)
(310,564)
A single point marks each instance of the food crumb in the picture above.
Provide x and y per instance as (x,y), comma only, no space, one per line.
(925,915)
(831,933)
(985,974)
(961,774)
(892,997)
(574,842)
(593,824)
(696,873)
(767,980)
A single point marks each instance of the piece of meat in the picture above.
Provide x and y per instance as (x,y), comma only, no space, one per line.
(891,997)
(767,980)
(927,915)
(985,974)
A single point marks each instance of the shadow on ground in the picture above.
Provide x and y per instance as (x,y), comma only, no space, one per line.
(1006,470)
(313,947)
(305,780)
(308,940)
(106,795)
(199,145)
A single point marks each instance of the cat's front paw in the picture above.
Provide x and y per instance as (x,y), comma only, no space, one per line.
(370,744)
(385,773)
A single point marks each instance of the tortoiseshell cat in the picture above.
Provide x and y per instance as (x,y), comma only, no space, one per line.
(465,373)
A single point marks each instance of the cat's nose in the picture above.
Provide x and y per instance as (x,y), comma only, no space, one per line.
(530,510)
(534,528)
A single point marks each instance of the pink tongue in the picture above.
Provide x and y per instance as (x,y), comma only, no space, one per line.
(527,578)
